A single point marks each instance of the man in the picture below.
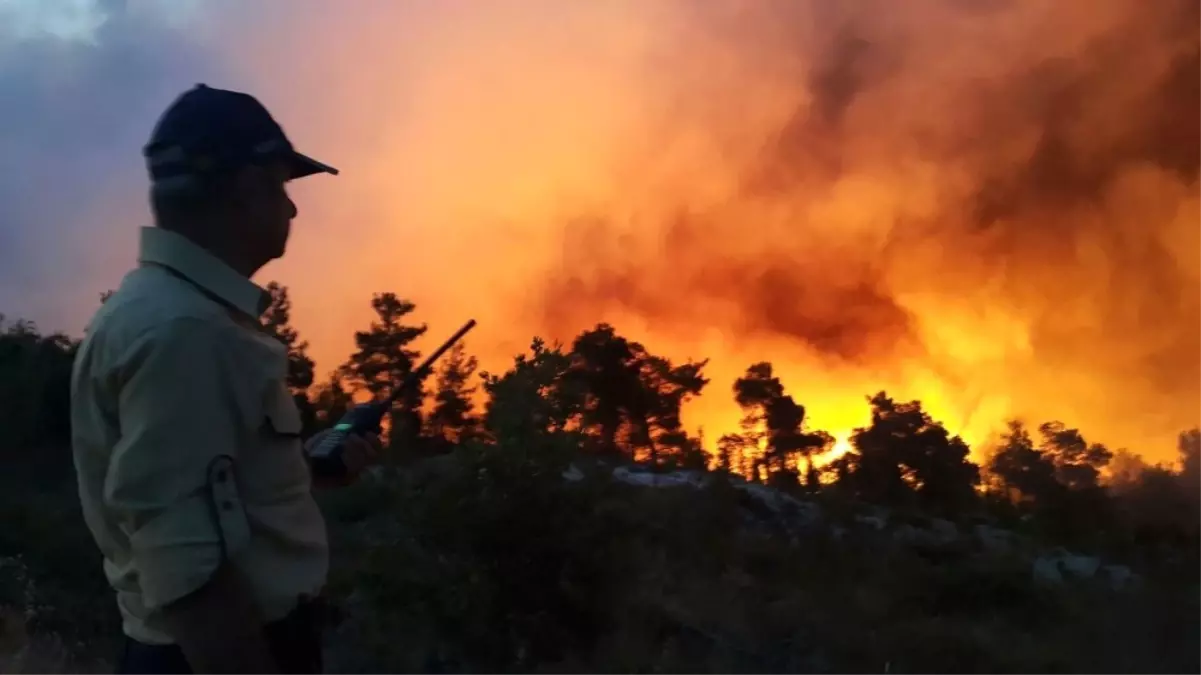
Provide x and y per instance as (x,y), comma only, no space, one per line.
(186,441)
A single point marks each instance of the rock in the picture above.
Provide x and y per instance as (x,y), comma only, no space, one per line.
(787,511)
(872,521)
(625,475)
(1081,566)
(1046,570)
(1120,577)
(907,534)
(944,530)
(993,539)
(781,503)
(1059,564)
(694,479)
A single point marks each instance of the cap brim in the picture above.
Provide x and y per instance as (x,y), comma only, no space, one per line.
(303,165)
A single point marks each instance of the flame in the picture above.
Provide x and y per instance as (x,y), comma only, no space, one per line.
(842,445)
(989,206)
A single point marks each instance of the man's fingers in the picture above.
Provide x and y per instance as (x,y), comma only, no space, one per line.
(316,439)
(371,445)
(364,448)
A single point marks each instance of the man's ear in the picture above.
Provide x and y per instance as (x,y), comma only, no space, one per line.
(246,181)
(246,187)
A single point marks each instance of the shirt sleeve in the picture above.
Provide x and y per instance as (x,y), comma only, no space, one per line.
(181,425)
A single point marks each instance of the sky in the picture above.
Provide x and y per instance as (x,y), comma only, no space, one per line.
(988,205)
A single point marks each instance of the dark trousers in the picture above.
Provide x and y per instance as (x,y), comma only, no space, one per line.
(295,642)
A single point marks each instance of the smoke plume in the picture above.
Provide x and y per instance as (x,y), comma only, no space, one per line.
(988,205)
(988,201)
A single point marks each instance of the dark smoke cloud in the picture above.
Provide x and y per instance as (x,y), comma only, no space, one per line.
(1063,140)
(680,283)
(991,202)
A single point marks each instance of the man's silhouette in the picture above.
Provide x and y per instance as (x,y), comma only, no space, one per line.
(186,439)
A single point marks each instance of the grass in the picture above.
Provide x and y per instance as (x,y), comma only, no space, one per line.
(500,566)
(58,612)
(487,561)
(22,652)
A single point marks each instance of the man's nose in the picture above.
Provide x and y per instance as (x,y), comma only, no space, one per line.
(292,210)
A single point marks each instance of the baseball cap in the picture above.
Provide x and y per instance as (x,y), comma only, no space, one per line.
(208,131)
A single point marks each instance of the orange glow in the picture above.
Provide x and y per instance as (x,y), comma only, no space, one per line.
(842,445)
(990,207)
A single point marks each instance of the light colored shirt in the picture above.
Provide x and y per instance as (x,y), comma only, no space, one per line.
(187,441)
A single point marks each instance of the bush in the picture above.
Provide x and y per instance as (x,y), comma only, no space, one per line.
(53,575)
(491,561)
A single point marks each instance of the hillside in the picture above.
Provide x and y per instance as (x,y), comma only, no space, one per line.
(572,524)
(486,561)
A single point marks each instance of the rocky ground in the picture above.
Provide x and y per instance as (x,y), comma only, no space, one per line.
(464,564)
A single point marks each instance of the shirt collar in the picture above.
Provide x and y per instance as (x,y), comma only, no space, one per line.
(173,250)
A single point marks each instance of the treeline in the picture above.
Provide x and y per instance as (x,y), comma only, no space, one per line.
(609,397)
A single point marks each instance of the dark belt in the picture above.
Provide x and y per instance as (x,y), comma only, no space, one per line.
(294,641)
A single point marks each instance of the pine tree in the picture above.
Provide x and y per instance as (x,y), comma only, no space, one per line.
(1025,471)
(632,398)
(382,361)
(277,321)
(907,459)
(536,396)
(453,419)
(780,419)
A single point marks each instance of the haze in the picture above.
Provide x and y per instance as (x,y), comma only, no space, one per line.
(990,206)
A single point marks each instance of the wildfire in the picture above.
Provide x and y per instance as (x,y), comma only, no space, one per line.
(991,207)
(842,445)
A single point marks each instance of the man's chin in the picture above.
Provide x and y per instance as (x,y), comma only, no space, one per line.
(279,251)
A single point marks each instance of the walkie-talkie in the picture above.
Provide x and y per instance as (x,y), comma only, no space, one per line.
(326,458)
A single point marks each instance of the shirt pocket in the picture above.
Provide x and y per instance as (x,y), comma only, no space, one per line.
(282,416)
(281,469)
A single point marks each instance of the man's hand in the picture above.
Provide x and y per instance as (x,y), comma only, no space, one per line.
(219,627)
(358,453)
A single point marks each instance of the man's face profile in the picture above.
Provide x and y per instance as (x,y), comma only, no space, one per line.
(267,210)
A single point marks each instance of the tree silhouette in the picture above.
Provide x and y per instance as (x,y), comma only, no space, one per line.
(906,459)
(35,390)
(1022,468)
(632,399)
(1059,480)
(602,365)
(743,451)
(627,402)
(1077,463)
(453,419)
(1158,509)
(1124,470)
(276,320)
(761,396)
(383,359)
(533,397)
(1189,448)
(664,390)
(730,454)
